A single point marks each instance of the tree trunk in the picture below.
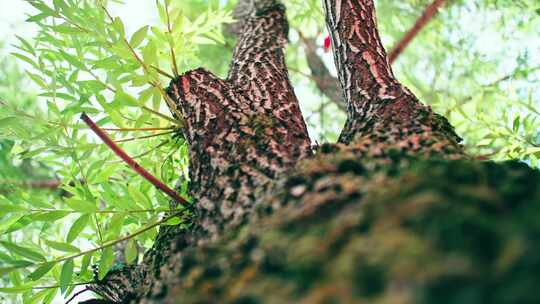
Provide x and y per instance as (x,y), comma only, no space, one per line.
(393,213)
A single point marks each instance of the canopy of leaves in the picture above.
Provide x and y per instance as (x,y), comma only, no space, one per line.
(65,198)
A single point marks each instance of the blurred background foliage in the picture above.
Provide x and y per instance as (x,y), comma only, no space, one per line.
(63,193)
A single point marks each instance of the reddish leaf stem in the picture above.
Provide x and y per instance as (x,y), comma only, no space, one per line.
(131,162)
(428,14)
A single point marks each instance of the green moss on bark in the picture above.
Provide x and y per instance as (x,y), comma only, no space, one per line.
(342,231)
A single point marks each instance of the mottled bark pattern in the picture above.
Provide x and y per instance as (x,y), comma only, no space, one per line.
(379,107)
(425,232)
(245,130)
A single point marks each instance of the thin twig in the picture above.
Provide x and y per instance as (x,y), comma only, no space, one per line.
(58,286)
(147,109)
(162,72)
(428,14)
(77,294)
(103,211)
(164,94)
(114,242)
(163,143)
(142,137)
(171,42)
(103,246)
(131,162)
(136,129)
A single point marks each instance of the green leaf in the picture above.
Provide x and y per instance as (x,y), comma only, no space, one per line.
(118,25)
(124,99)
(62,246)
(37,297)
(38,80)
(26,45)
(106,262)
(202,40)
(25,59)
(41,271)
(15,278)
(21,263)
(7,121)
(115,226)
(162,12)
(87,258)
(60,5)
(50,296)
(150,53)
(43,8)
(138,37)
(81,206)
(173,221)
(37,18)
(516,124)
(7,208)
(24,251)
(66,275)
(6,270)
(105,173)
(139,197)
(77,227)
(49,216)
(18,289)
(64,96)
(73,60)
(130,251)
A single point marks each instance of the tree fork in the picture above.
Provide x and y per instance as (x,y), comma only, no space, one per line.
(243,133)
(246,130)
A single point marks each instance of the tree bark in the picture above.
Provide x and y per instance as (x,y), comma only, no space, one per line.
(328,84)
(393,213)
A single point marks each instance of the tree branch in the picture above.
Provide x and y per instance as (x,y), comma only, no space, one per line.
(326,83)
(248,125)
(380,109)
(132,163)
(420,23)
(329,85)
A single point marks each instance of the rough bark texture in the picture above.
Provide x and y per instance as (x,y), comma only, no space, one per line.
(378,105)
(394,213)
(328,84)
(402,231)
(246,130)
